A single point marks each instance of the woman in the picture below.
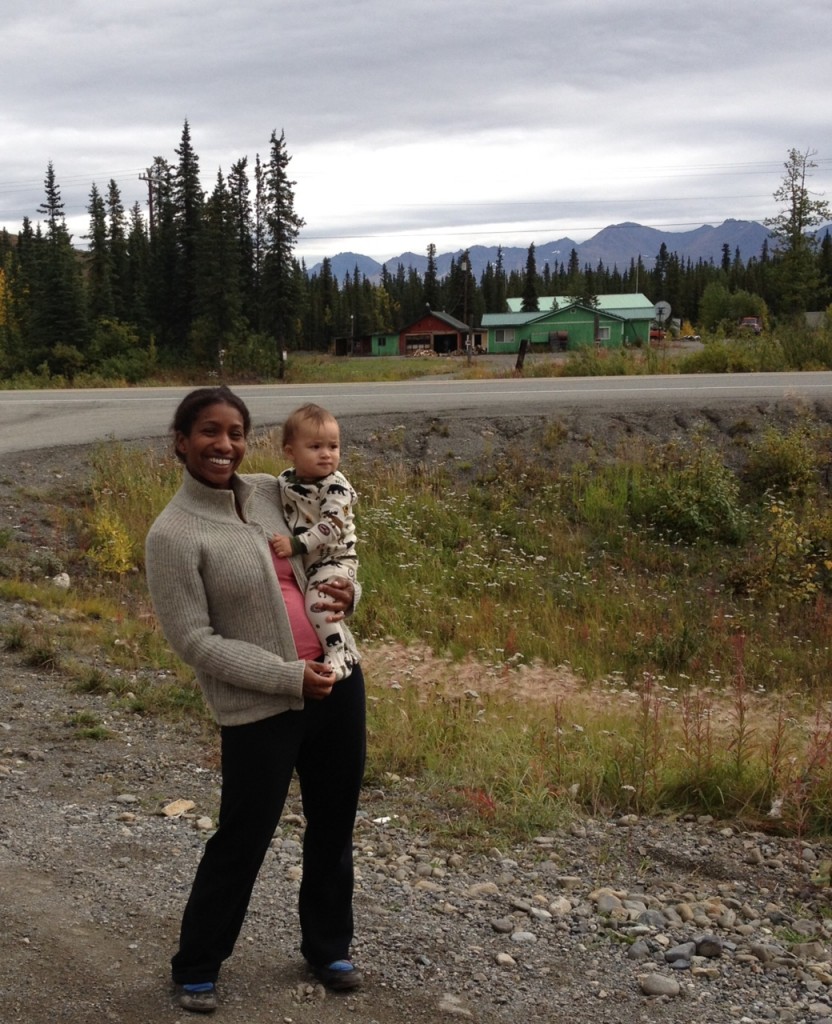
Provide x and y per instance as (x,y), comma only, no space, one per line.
(234,612)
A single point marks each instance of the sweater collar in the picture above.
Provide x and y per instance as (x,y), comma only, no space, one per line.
(219,500)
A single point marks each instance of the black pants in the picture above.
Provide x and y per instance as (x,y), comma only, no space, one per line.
(325,743)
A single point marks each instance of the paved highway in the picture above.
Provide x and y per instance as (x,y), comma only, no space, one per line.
(40,419)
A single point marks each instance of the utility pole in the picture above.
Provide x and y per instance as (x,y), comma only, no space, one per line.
(463,266)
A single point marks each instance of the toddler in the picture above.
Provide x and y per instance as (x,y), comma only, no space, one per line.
(318,507)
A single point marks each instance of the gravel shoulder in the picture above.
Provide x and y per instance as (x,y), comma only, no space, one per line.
(93,875)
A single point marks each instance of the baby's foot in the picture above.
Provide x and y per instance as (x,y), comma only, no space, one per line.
(341,667)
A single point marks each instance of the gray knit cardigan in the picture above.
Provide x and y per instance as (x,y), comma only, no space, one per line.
(217,597)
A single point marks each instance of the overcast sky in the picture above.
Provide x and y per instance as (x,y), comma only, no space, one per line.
(458,123)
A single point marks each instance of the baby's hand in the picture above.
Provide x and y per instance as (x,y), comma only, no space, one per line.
(282,546)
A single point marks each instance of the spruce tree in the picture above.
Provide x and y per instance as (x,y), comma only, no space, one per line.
(431,280)
(825,272)
(796,277)
(58,329)
(574,278)
(117,242)
(500,283)
(327,305)
(137,275)
(413,295)
(258,244)
(488,288)
(239,195)
(163,293)
(99,265)
(281,229)
(459,289)
(52,206)
(12,308)
(218,324)
(188,200)
(530,300)
(21,280)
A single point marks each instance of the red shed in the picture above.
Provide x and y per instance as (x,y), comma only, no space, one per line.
(436,332)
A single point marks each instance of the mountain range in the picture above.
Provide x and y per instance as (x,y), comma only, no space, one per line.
(614,246)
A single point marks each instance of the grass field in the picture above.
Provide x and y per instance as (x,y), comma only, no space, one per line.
(682,608)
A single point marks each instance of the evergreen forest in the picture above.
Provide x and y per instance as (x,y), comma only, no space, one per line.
(209,281)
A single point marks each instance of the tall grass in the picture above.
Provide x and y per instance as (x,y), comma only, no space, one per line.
(634,567)
(690,604)
(301,368)
(517,769)
(317,369)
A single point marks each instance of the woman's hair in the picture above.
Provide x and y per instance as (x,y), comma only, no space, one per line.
(309,413)
(192,405)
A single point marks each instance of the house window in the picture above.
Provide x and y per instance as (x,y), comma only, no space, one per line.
(504,335)
(603,334)
(382,342)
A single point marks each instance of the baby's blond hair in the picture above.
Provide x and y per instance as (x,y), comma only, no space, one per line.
(309,413)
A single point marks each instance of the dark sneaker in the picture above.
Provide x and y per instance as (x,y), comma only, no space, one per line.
(339,976)
(199,998)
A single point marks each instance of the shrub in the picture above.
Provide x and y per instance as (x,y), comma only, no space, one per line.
(43,654)
(66,360)
(690,499)
(590,362)
(785,463)
(805,349)
(117,354)
(111,550)
(14,638)
(719,356)
(791,558)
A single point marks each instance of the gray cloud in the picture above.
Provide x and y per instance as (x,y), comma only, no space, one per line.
(426,116)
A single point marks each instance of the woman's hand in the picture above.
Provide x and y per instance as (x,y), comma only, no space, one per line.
(318,680)
(341,594)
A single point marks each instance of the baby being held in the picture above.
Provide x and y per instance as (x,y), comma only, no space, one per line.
(318,506)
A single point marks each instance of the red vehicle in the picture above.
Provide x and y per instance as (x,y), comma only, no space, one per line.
(752,323)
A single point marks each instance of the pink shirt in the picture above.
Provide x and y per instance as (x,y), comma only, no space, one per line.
(306,639)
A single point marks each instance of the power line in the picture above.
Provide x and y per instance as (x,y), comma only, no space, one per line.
(74,180)
(571,202)
(506,228)
(654,171)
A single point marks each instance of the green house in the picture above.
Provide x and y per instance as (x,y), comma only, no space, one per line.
(565,323)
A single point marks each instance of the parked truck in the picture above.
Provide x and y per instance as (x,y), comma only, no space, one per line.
(752,323)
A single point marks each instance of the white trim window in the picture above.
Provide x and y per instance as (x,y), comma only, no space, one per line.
(504,336)
(603,334)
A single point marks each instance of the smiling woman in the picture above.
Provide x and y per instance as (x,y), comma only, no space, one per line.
(235,613)
(210,430)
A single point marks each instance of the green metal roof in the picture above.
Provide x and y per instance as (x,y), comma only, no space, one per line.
(638,313)
(629,301)
(641,313)
(507,319)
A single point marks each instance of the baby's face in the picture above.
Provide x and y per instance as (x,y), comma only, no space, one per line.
(315,451)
